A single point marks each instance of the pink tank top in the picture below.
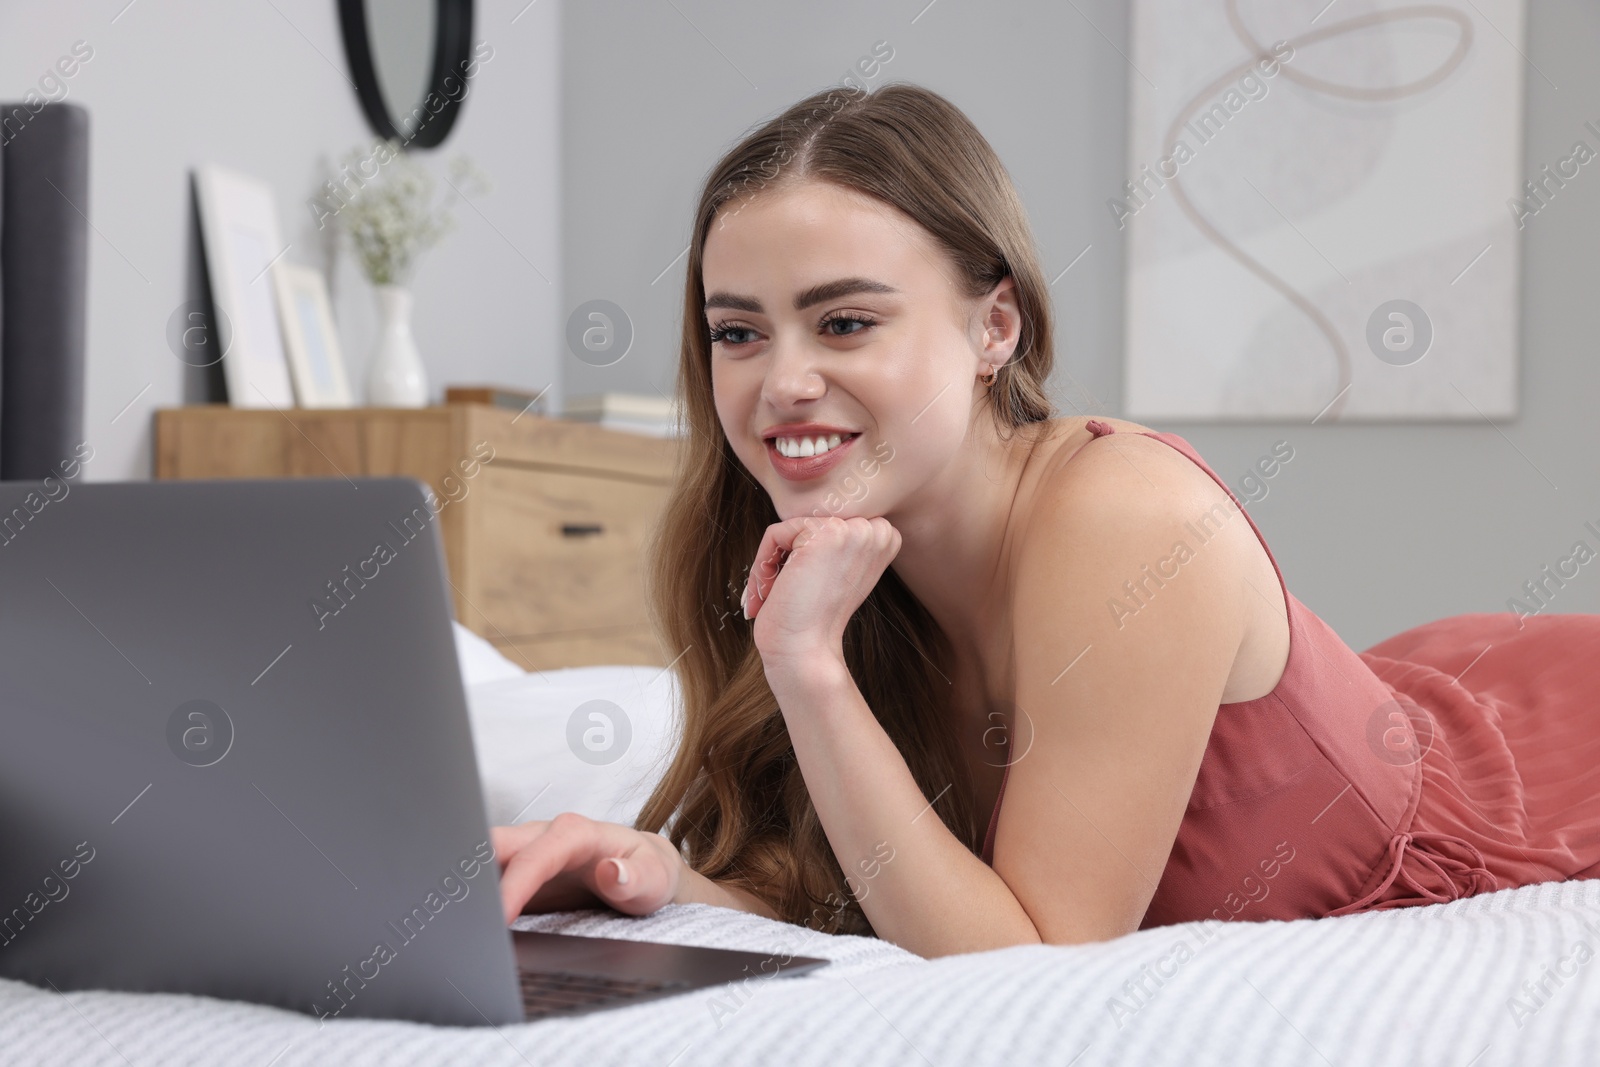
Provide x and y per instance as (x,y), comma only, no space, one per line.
(1294,812)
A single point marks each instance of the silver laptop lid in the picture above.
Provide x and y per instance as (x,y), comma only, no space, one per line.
(236,759)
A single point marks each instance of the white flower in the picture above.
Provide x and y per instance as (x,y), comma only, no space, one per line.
(391,217)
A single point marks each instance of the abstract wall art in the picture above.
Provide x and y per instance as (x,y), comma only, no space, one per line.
(1323,209)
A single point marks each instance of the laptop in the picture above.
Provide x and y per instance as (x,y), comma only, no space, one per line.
(237,762)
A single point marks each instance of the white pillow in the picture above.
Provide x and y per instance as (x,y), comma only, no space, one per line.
(594,740)
(480,660)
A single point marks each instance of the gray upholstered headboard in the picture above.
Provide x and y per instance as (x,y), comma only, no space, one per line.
(44,254)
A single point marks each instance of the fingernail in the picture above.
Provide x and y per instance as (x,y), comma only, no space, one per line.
(622,872)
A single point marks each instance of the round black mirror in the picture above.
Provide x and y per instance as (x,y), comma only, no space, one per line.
(410,60)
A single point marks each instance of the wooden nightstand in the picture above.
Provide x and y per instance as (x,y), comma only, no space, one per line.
(544,541)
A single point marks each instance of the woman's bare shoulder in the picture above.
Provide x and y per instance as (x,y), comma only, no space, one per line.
(1078,470)
(1058,455)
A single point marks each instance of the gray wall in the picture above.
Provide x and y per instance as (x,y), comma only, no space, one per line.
(598,120)
(261,88)
(1376,527)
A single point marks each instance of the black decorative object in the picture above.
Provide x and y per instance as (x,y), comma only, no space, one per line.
(44,259)
(453,64)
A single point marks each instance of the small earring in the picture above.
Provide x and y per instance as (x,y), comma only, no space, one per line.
(989,379)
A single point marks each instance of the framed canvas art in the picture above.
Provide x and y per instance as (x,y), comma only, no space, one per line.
(1322,210)
(239,231)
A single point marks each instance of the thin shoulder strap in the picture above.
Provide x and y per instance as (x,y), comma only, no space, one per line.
(1177,443)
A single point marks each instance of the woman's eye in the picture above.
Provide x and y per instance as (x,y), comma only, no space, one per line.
(828,325)
(729,334)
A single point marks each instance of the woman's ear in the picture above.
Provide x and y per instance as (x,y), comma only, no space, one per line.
(1002,321)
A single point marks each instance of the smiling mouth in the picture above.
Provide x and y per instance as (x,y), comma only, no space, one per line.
(809,446)
(804,468)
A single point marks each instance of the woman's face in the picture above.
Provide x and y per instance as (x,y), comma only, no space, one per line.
(833,310)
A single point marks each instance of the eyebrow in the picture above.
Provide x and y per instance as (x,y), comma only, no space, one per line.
(817,294)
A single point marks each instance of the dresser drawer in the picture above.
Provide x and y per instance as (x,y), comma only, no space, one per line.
(544,551)
(558,552)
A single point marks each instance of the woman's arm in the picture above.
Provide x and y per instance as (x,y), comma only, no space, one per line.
(696,888)
(1120,710)
(919,886)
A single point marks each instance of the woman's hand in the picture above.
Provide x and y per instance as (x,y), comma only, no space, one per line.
(809,577)
(573,862)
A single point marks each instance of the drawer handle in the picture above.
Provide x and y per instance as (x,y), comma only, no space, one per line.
(580,529)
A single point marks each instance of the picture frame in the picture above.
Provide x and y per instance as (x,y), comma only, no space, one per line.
(1260,289)
(310,338)
(239,234)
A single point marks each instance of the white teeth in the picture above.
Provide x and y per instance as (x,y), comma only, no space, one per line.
(801,447)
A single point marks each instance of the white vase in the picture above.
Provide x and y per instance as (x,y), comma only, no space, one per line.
(395,376)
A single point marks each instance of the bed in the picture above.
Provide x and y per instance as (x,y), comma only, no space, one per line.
(1501,978)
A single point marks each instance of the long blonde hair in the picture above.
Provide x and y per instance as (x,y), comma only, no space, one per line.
(733,795)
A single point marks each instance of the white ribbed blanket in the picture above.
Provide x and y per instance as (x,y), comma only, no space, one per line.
(1452,984)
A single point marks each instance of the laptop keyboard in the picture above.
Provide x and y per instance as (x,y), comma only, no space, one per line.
(556,992)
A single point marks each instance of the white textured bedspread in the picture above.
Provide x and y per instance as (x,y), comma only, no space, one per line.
(1507,977)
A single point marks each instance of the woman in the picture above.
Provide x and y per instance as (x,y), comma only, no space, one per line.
(1010,678)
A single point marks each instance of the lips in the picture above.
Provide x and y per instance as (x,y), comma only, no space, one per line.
(804,468)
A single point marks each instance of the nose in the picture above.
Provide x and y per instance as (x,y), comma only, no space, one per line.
(792,375)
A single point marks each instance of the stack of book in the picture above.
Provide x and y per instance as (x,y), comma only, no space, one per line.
(644,413)
(505,396)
